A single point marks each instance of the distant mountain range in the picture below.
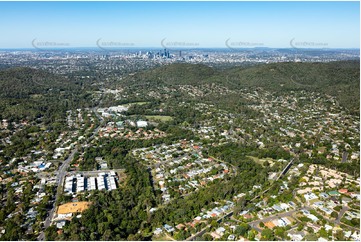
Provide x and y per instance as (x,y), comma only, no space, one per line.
(340,79)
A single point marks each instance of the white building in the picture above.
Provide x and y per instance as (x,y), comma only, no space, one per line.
(101,184)
(91,184)
(142,124)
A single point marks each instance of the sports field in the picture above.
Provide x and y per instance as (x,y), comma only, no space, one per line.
(77,207)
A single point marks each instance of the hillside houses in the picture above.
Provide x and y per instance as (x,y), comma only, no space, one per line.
(182,164)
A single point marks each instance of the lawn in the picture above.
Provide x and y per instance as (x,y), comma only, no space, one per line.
(163,237)
(261,161)
(159,118)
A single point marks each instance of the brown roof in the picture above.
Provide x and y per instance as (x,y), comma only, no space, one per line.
(270,224)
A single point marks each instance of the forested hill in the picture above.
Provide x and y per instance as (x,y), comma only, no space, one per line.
(174,74)
(340,79)
(21,82)
(28,93)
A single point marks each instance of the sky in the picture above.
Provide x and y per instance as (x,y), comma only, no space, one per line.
(181,24)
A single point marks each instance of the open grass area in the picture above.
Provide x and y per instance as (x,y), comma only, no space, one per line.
(36,95)
(163,237)
(261,161)
(159,118)
(255,159)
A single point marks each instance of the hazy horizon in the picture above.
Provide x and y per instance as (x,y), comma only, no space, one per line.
(322,25)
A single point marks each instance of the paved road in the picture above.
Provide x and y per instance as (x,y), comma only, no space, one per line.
(62,171)
(92,173)
(59,182)
(60,179)
(337,221)
(297,83)
(234,168)
(254,224)
(340,214)
(200,233)
(97,114)
(284,171)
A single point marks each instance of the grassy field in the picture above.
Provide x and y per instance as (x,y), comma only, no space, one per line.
(159,118)
(36,95)
(261,161)
(163,237)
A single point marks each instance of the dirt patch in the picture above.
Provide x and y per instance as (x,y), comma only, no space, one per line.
(77,207)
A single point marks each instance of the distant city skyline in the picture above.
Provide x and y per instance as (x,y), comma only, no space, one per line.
(178,25)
